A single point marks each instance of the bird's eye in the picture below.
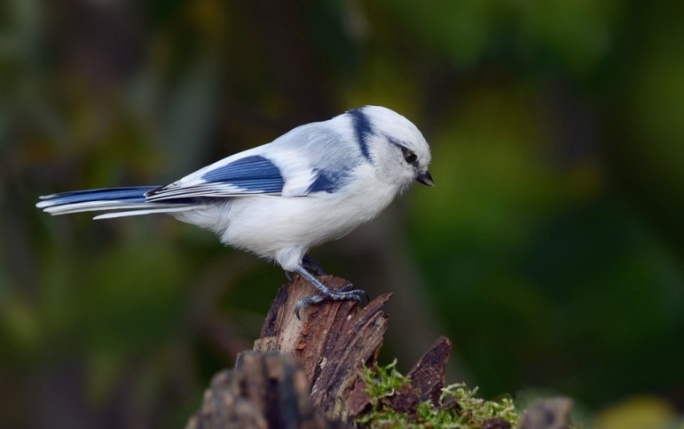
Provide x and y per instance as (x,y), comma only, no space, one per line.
(409,156)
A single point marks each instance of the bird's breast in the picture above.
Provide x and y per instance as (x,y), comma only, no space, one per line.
(266,225)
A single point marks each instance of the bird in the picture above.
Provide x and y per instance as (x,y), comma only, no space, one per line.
(313,184)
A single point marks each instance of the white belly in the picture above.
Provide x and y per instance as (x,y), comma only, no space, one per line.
(284,228)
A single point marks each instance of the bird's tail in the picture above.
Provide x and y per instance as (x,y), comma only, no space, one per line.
(129,201)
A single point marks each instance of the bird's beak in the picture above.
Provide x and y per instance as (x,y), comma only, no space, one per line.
(425,178)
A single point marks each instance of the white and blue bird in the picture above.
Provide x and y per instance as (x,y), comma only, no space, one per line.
(311,185)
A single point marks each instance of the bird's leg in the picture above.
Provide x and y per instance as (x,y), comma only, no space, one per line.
(309,264)
(312,266)
(326,293)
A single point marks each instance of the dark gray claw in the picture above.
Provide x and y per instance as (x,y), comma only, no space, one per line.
(361,295)
(305,302)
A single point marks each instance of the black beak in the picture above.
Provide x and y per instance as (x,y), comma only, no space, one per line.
(425,178)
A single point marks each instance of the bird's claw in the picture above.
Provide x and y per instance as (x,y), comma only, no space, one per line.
(358,295)
(347,292)
(305,302)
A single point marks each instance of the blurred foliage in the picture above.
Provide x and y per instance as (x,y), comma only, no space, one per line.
(639,412)
(552,248)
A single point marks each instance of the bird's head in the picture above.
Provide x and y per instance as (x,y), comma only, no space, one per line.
(395,146)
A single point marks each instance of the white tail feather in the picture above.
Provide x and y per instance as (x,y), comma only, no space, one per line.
(129,209)
(145,212)
(90,206)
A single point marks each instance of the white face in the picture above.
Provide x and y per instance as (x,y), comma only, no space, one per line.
(400,151)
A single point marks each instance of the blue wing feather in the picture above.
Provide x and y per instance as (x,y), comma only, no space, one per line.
(129,194)
(329,181)
(245,176)
(253,173)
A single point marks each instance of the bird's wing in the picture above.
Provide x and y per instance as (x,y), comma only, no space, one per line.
(230,177)
(309,159)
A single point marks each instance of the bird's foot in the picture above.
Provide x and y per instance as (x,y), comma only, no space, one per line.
(347,292)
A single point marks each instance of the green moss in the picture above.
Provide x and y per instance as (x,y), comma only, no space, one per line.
(458,407)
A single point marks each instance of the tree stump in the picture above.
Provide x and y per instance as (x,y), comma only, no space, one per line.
(308,373)
(331,345)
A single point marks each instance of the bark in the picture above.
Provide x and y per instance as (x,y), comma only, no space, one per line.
(308,373)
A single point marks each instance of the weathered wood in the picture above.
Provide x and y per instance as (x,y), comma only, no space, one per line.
(265,390)
(312,365)
(307,373)
(428,374)
(333,341)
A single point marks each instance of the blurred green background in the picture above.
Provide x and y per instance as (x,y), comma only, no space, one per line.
(551,251)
